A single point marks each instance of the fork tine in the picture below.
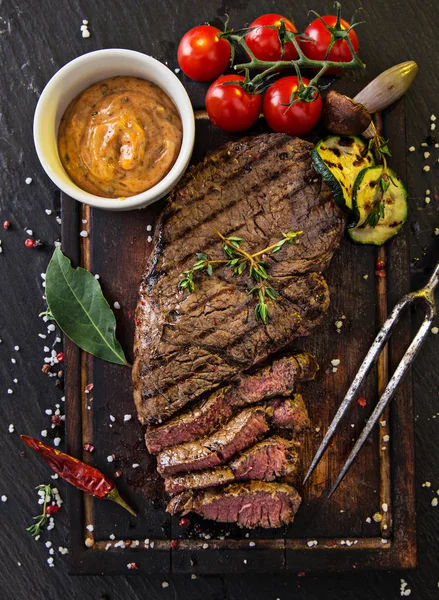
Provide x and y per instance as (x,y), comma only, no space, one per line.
(390,390)
(368,362)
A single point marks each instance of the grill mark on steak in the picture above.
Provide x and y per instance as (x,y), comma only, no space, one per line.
(183,379)
(241,432)
(186,346)
(250,505)
(270,459)
(228,155)
(276,380)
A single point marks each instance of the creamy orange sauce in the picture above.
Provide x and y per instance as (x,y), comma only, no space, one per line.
(119,137)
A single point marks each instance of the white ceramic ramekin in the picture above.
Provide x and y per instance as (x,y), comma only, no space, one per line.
(75,77)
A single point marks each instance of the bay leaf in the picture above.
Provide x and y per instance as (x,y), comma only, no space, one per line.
(75,300)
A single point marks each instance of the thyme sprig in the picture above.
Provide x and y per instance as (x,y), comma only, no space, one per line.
(42,519)
(239,261)
(266,70)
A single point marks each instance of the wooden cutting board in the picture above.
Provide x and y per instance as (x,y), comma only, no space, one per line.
(342,536)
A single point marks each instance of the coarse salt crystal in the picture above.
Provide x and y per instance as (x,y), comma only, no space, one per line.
(177,70)
(44,433)
(89,542)
(48,411)
(433,118)
(135,465)
(149,239)
(86,33)
(48,211)
(29,232)
(112,536)
(148,227)
(62,550)
(51,327)
(16,348)
(4,498)
(385,507)
(434,330)
(110,458)
(205,546)
(427,200)
(127,418)
(386,438)
(116,305)
(57,441)
(43,336)
(11,428)
(426,168)
(165,584)
(426,155)
(434,501)
(112,419)
(368,520)
(335,362)
(433,126)
(28,180)
(10,391)
(97,276)
(90,528)
(48,544)
(13,361)
(84,22)
(15,380)
(411,149)
(83,233)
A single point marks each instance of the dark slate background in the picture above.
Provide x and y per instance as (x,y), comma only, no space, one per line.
(36,39)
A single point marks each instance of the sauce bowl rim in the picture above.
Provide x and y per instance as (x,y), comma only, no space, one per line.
(76,68)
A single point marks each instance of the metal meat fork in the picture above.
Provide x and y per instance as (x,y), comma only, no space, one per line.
(425,297)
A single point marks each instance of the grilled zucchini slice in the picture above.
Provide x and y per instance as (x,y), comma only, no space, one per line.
(339,160)
(367,195)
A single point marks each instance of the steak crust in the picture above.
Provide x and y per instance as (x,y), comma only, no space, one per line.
(188,345)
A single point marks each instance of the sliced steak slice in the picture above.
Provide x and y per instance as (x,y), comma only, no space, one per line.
(276,380)
(188,345)
(198,480)
(250,505)
(290,413)
(272,458)
(240,432)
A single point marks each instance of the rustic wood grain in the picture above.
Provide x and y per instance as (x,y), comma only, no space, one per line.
(35,40)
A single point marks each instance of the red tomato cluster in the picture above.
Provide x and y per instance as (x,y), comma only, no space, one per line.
(204,56)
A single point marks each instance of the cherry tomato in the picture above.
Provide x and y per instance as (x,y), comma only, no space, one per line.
(340,51)
(265,43)
(229,106)
(202,55)
(297,119)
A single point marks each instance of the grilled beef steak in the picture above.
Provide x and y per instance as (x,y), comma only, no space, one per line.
(271,458)
(236,435)
(276,380)
(187,345)
(290,413)
(252,504)
(239,433)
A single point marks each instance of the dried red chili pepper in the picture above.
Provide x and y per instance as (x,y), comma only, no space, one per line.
(82,476)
